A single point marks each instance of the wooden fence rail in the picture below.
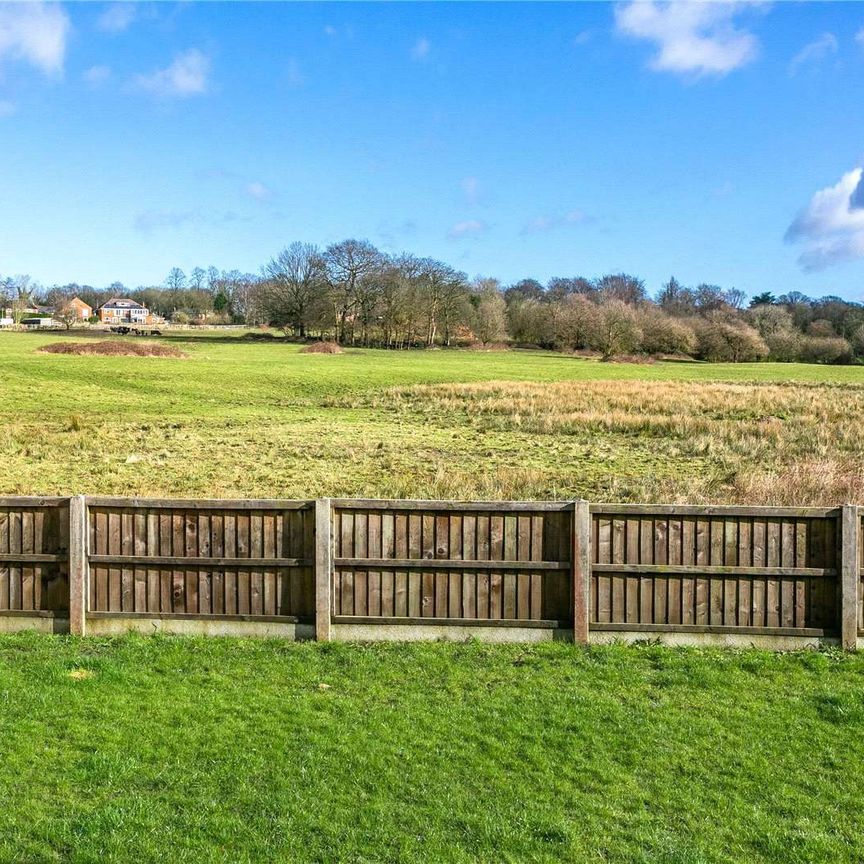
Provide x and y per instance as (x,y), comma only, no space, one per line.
(368,569)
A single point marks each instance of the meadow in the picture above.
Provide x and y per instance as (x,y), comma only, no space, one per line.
(212,750)
(246,418)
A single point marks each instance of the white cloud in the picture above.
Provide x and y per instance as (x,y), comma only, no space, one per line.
(859,36)
(831,227)
(148,221)
(186,76)
(34,32)
(692,37)
(541,224)
(468,228)
(294,74)
(97,74)
(329,30)
(7,108)
(815,52)
(421,49)
(471,188)
(258,191)
(583,38)
(117,17)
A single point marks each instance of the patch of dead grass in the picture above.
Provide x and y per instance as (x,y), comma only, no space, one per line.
(113,348)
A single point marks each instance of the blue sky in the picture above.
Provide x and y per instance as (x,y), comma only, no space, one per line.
(719,142)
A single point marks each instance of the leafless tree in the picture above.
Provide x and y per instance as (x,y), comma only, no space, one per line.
(295,282)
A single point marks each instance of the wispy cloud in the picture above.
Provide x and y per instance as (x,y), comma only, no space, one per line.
(294,74)
(35,33)
(187,75)
(466,229)
(7,108)
(391,231)
(831,227)
(583,37)
(117,17)
(815,52)
(97,74)
(148,221)
(695,38)
(471,189)
(542,224)
(258,191)
(859,36)
(421,49)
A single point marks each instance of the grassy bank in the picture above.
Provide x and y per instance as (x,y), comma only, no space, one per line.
(258,419)
(220,750)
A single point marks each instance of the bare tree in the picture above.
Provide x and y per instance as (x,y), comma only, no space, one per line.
(176,279)
(66,313)
(294,285)
(197,278)
(490,315)
(346,263)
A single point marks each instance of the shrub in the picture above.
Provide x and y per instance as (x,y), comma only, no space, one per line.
(730,341)
(574,322)
(616,330)
(662,334)
(819,349)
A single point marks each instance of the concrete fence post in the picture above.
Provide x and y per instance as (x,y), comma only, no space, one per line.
(78,565)
(323,567)
(849,576)
(581,571)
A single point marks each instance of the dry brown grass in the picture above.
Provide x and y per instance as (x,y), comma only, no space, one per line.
(322,348)
(114,348)
(755,443)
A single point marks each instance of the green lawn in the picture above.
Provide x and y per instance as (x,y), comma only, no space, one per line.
(156,749)
(257,419)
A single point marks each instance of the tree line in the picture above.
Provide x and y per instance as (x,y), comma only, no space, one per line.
(355,294)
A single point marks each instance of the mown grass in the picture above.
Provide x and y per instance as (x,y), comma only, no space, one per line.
(259,419)
(159,749)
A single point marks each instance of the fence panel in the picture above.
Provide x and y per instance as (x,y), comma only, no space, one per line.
(34,544)
(440,561)
(225,558)
(690,568)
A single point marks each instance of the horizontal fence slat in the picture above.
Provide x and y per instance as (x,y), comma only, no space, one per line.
(201,616)
(712,628)
(708,510)
(199,504)
(32,501)
(192,562)
(696,571)
(31,558)
(445,564)
(531,624)
(465,506)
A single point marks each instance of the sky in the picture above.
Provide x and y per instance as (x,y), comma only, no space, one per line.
(719,142)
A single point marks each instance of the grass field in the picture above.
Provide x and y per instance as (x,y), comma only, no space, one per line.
(216,750)
(177,750)
(258,419)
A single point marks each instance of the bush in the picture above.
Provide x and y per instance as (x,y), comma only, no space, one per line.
(616,330)
(818,349)
(574,322)
(728,341)
(784,346)
(662,334)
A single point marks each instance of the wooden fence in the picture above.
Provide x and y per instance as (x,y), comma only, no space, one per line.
(34,561)
(358,569)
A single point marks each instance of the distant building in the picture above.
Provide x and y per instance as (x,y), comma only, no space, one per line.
(123,311)
(82,309)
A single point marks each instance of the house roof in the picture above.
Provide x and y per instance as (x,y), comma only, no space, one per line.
(121,303)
